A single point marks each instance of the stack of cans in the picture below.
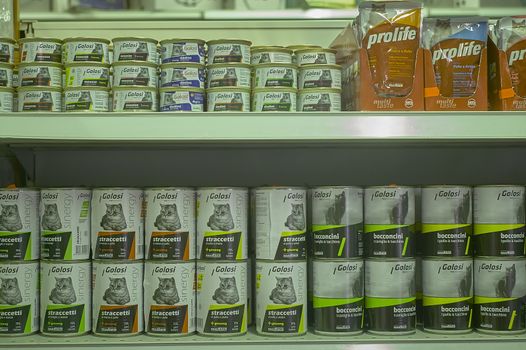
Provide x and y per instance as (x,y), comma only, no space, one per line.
(8,77)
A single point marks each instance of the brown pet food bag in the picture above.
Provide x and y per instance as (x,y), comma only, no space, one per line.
(511,38)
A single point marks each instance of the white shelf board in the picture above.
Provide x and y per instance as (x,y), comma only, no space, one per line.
(261,127)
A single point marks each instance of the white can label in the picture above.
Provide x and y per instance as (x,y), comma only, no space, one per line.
(65,224)
(228,76)
(86,100)
(170,224)
(89,76)
(228,53)
(271,57)
(169,297)
(276,77)
(320,77)
(125,75)
(319,101)
(134,100)
(222,297)
(188,77)
(36,75)
(39,101)
(229,101)
(135,50)
(183,52)
(281,224)
(182,101)
(35,51)
(6,76)
(66,298)
(85,51)
(7,52)
(274,101)
(6,101)
(315,58)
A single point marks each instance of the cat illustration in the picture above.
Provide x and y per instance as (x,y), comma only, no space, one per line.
(3,75)
(325,99)
(51,218)
(357,287)
(464,286)
(63,293)
(143,73)
(97,49)
(168,218)
(147,97)
(9,291)
(10,218)
(399,211)
(178,75)
(230,74)
(166,292)
(335,212)
(4,51)
(43,75)
(326,75)
(142,48)
(117,292)
(226,293)
(520,211)
(285,99)
(265,58)
(114,218)
(85,97)
(289,74)
(505,285)
(284,292)
(296,219)
(236,51)
(321,59)
(463,210)
(177,50)
(104,75)
(237,98)
(221,219)
(46,98)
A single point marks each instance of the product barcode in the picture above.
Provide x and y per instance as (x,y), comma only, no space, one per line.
(200,323)
(82,249)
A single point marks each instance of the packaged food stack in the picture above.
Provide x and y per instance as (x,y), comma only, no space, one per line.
(447,259)
(135,78)
(500,264)
(228,76)
(8,78)
(222,269)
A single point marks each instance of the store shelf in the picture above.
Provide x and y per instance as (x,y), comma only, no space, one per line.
(261,127)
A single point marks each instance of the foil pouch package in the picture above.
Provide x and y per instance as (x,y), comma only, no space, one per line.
(510,33)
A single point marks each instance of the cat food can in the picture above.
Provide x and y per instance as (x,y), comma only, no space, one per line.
(419,291)
(86,50)
(39,99)
(222,298)
(499,220)
(270,54)
(6,100)
(275,75)
(86,99)
(500,294)
(319,100)
(19,224)
(135,49)
(337,222)
(338,296)
(222,223)
(390,297)
(228,51)
(6,75)
(228,74)
(41,50)
(296,48)
(446,229)
(7,50)
(315,76)
(315,56)
(274,100)
(65,223)
(250,291)
(134,99)
(117,223)
(117,297)
(448,295)
(47,74)
(169,297)
(389,222)
(183,51)
(19,298)
(281,297)
(182,100)
(228,100)
(281,223)
(170,223)
(183,75)
(87,75)
(129,73)
(65,297)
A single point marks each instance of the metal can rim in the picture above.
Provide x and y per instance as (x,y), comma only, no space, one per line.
(86,88)
(229,41)
(307,91)
(392,186)
(134,63)
(320,66)
(39,88)
(171,41)
(39,63)
(87,64)
(7,89)
(274,89)
(270,65)
(173,88)
(228,88)
(134,38)
(315,50)
(80,38)
(280,188)
(8,40)
(221,188)
(134,87)
(257,49)
(181,64)
(39,39)
(233,64)
(65,188)
(157,188)
(295,48)
(337,186)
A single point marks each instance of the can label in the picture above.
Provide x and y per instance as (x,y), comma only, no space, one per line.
(169,297)
(6,101)
(39,101)
(389,222)
(270,57)
(86,100)
(222,297)
(183,76)
(125,75)
(89,76)
(314,101)
(228,76)
(6,76)
(320,77)
(117,224)
(500,291)
(19,298)
(34,51)
(170,224)
(19,227)
(85,51)
(281,224)
(448,294)
(446,221)
(66,297)
(117,298)
(65,224)
(499,217)
(7,52)
(338,296)
(222,216)
(304,58)
(337,222)
(135,50)
(274,101)
(178,101)
(134,99)
(228,53)
(183,52)
(228,101)
(276,77)
(281,297)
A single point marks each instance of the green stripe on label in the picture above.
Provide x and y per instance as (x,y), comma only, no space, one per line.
(325,227)
(239,254)
(486,300)
(432,301)
(467,245)
(371,303)
(512,319)
(292,233)
(480,229)
(430,228)
(374,228)
(342,245)
(280,307)
(470,317)
(219,233)
(406,241)
(319,302)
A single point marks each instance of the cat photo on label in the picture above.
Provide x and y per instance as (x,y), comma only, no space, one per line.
(296,219)
(284,292)
(97,49)
(400,210)
(336,210)
(166,292)
(168,218)
(178,50)
(63,293)
(9,291)
(10,218)
(114,218)
(221,219)
(226,293)
(505,285)
(117,292)
(463,210)
(464,285)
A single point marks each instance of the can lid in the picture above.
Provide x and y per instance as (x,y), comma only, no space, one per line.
(6,89)
(117,188)
(134,87)
(339,187)
(134,63)
(320,66)
(87,64)
(229,65)
(131,38)
(53,40)
(169,188)
(391,186)
(281,188)
(274,89)
(171,41)
(181,65)
(221,188)
(447,186)
(297,52)
(228,89)
(271,49)
(303,47)
(500,185)
(320,90)
(80,38)
(37,64)
(86,88)
(7,40)
(229,41)
(38,88)
(270,65)
(65,188)
(175,89)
